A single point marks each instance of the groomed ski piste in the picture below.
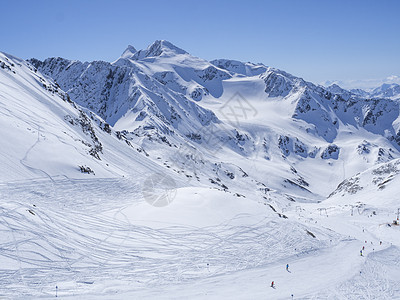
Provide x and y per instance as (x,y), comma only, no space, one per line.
(100,233)
(206,244)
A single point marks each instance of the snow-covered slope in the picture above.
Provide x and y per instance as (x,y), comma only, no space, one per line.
(45,134)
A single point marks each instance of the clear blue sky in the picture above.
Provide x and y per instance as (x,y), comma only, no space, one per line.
(317,40)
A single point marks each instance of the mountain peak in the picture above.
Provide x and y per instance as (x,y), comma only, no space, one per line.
(387,86)
(129,52)
(159,48)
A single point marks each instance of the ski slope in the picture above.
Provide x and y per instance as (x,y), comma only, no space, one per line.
(206,244)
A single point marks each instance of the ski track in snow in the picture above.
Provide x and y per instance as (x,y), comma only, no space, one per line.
(72,237)
(24,160)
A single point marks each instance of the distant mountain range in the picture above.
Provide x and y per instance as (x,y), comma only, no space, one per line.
(386,90)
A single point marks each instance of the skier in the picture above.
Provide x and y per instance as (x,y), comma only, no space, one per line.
(380,242)
(361,252)
(363,247)
(273,284)
(287,267)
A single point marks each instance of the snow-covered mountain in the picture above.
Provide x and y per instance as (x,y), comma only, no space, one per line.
(254,159)
(163,86)
(130,94)
(165,95)
(386,90)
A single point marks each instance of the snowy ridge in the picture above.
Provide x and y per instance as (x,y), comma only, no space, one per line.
(158,48)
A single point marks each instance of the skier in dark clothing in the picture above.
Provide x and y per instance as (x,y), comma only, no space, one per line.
(272,284)
(287,267)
